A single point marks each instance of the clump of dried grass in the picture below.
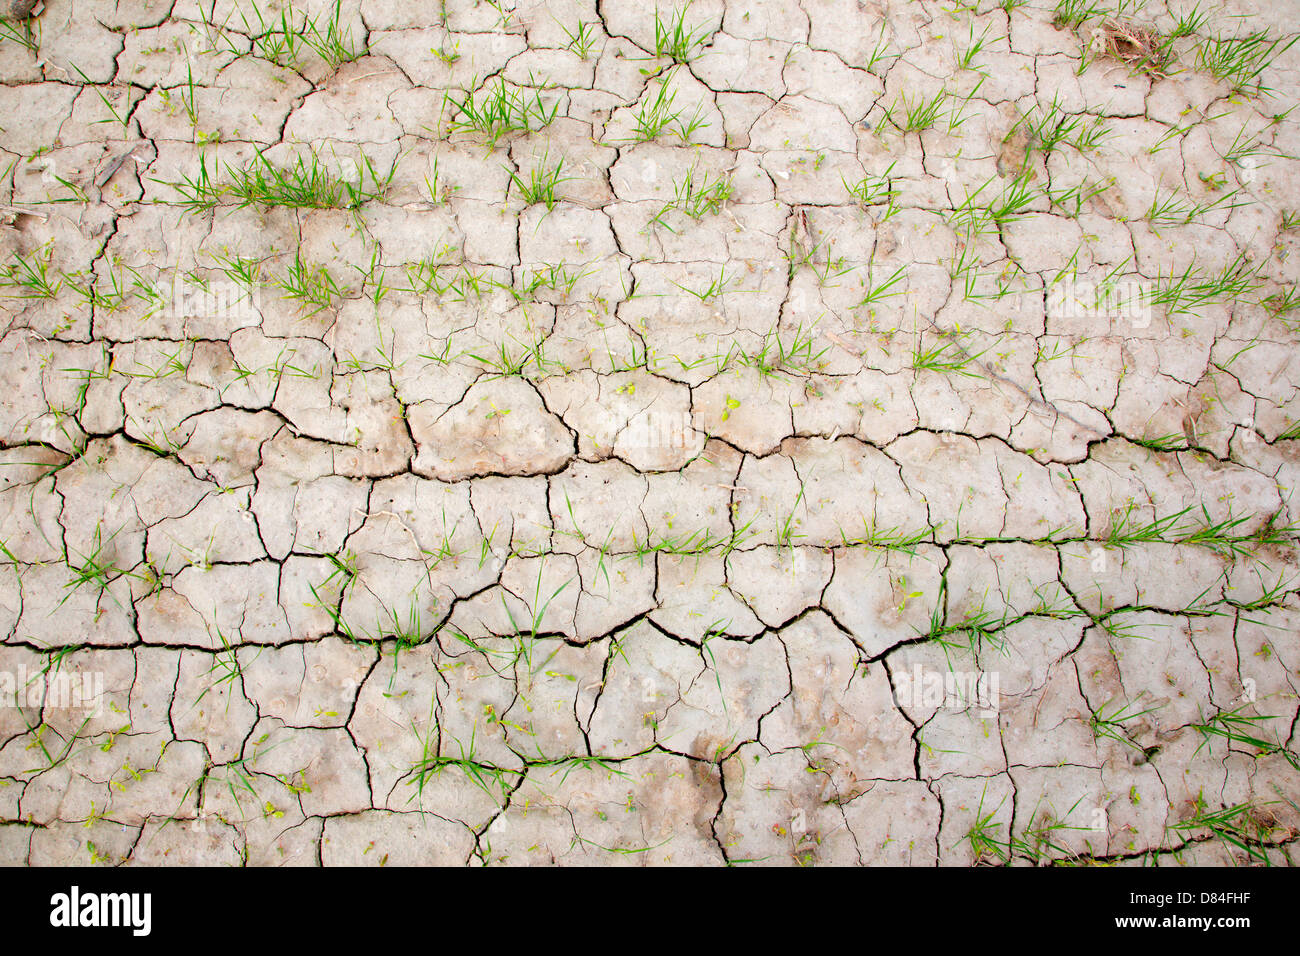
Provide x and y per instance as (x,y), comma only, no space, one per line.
(1140,47)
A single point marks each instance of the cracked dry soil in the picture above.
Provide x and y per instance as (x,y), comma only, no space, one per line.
(583,433)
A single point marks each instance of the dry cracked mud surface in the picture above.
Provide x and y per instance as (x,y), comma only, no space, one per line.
(832,432)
